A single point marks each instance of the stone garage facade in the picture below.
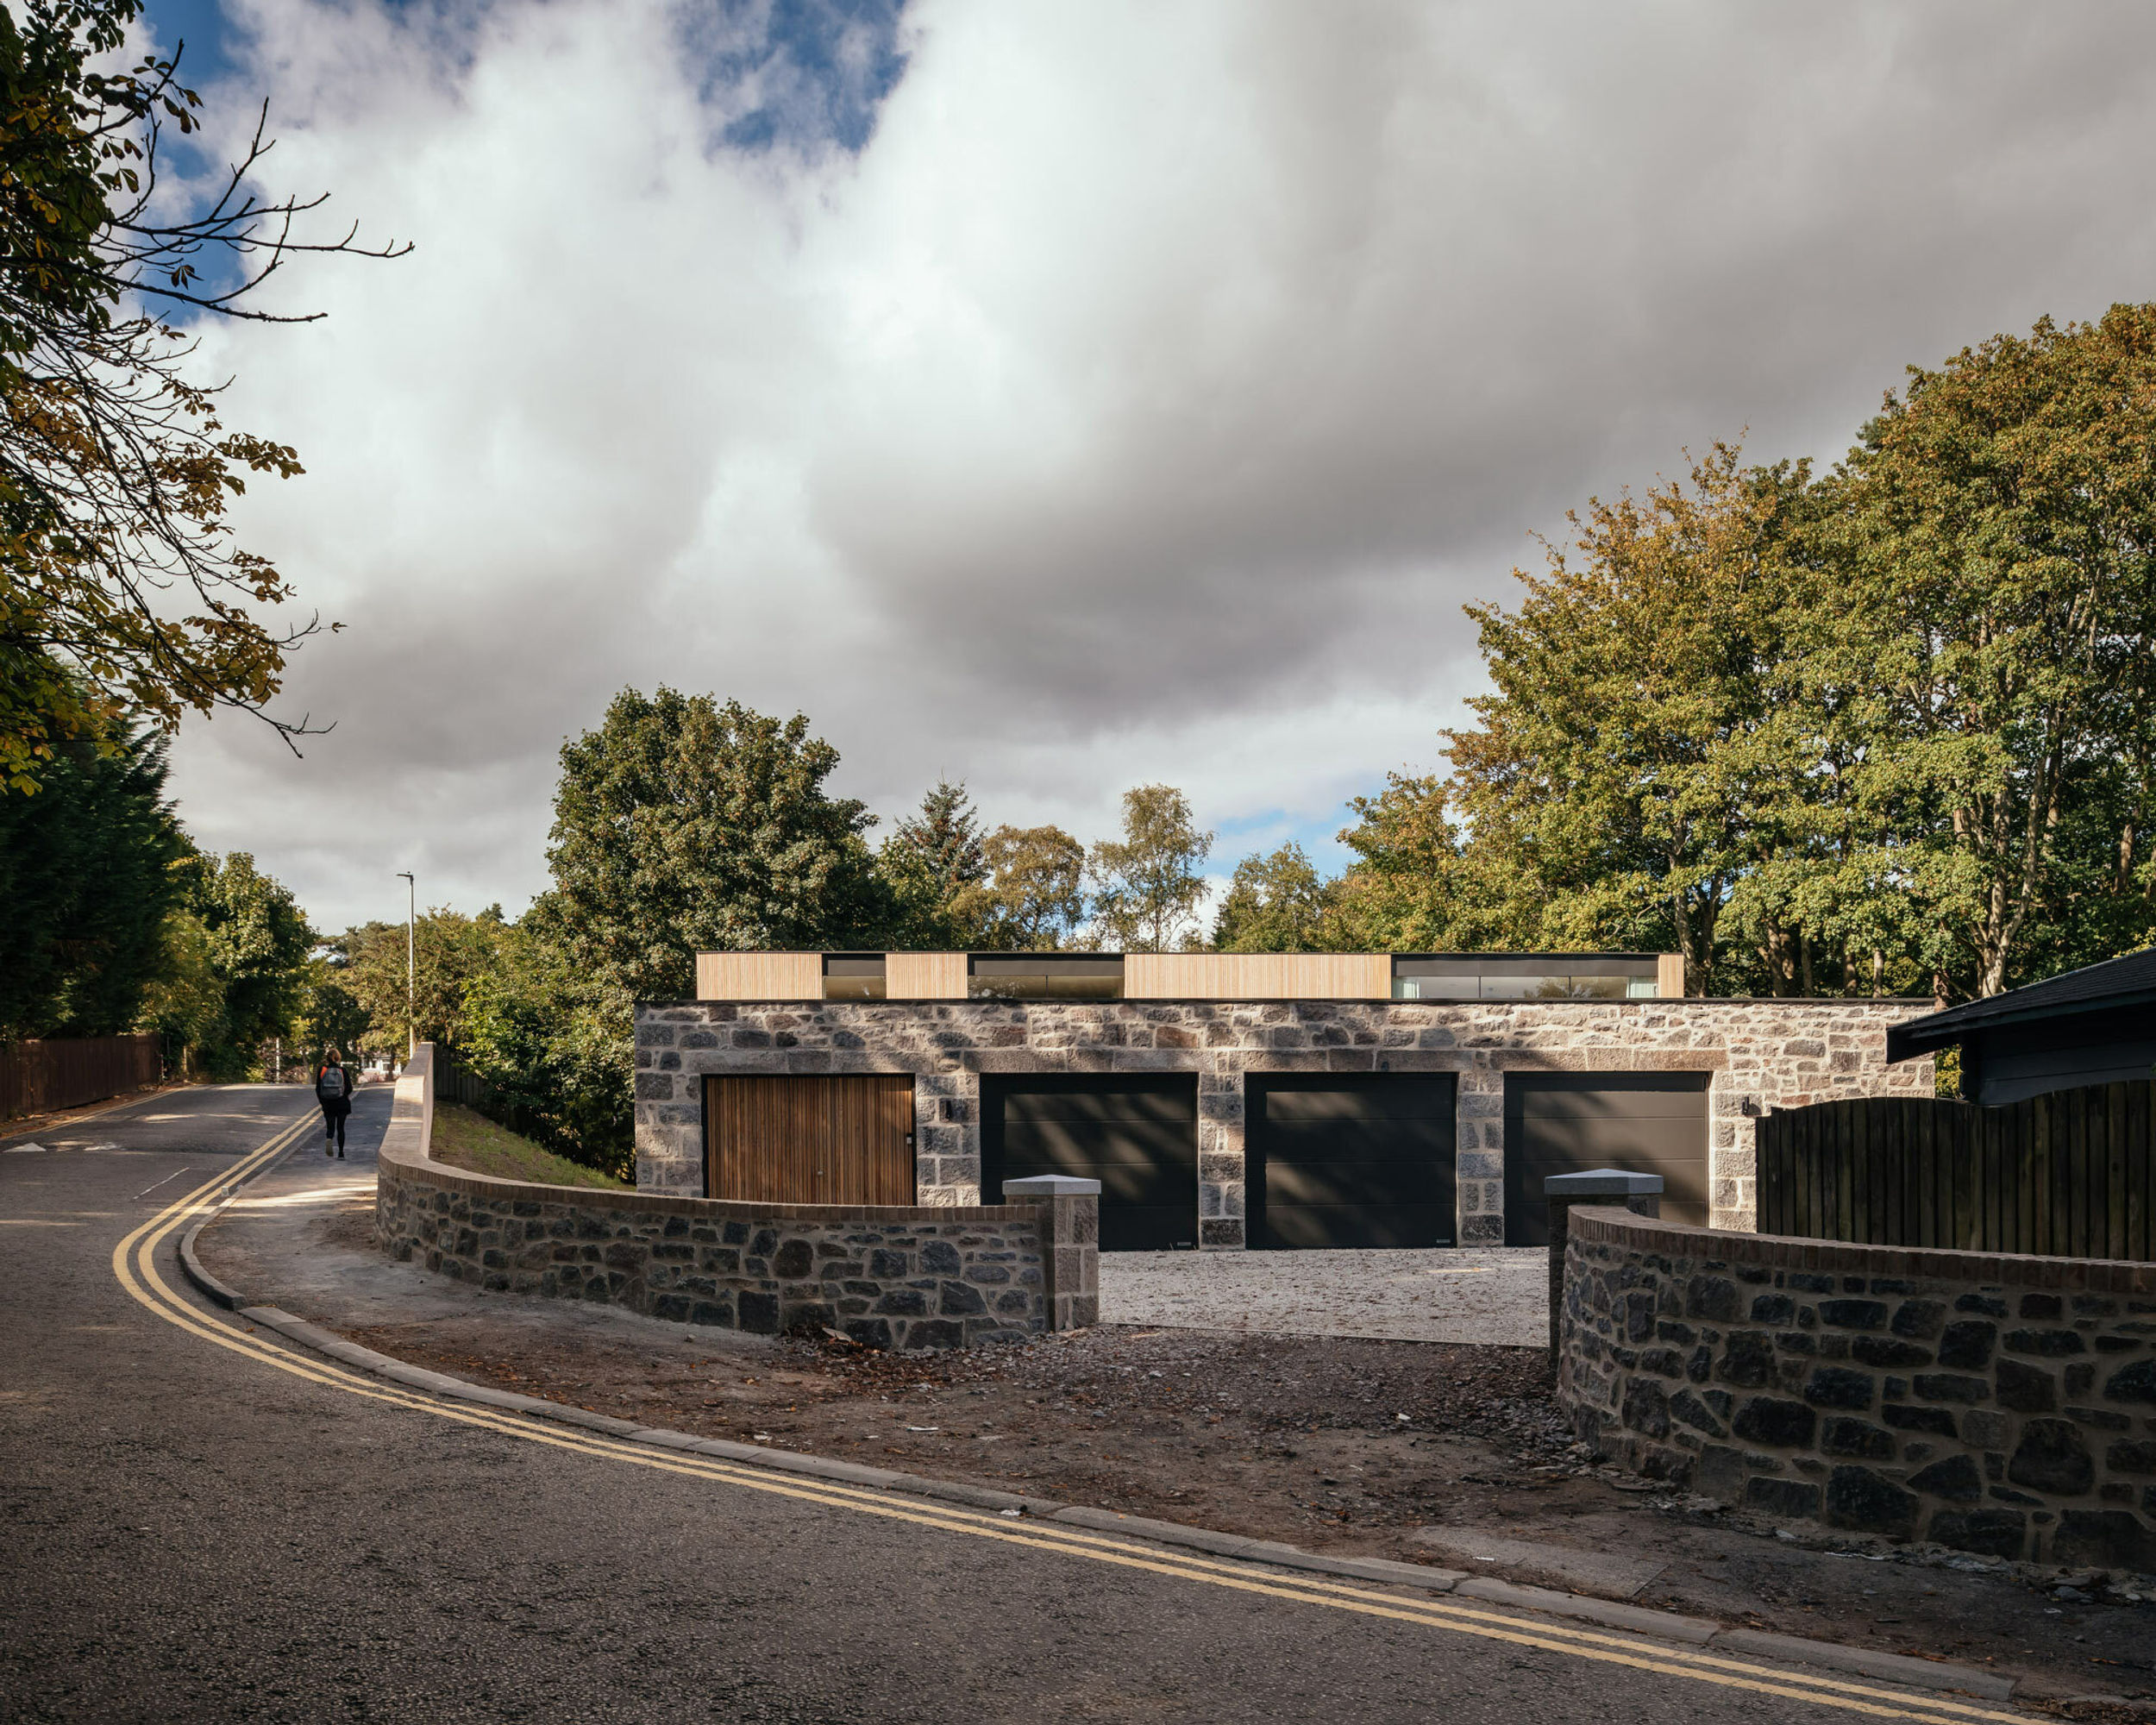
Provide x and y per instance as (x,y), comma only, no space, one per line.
(1748,1056)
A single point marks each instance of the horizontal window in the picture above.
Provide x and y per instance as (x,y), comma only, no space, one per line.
(853,976)
(1043,976)
(1529,976)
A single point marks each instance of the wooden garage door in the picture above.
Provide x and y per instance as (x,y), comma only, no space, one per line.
(804,1140)
(1350,1161)
(1567,1122)
(1136,1136)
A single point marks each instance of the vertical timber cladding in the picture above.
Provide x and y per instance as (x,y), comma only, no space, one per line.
(1351,1160)
(797,1140)
(1136,1133)
(1569,1122)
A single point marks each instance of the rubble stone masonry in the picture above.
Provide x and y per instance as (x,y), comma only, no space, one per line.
(1760,1054)
(888,1276)
(1992,1402)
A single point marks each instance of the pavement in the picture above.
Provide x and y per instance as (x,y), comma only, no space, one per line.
(205,1521)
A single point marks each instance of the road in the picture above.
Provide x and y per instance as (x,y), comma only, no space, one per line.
(201,1524)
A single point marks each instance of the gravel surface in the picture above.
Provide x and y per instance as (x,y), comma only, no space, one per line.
(1496,1297)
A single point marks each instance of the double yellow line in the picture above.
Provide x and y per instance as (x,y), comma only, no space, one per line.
(135,1262)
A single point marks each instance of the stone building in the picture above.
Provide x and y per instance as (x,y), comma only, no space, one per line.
(1322,1100)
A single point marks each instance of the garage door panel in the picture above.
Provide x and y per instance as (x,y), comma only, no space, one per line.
(1613,1139)
(1135,1228)
(1399,1100)
(1318,1227)
(1154,1105)
(1128,1141)
(1614,1108)
(1346,1183)
(1138,1137)
(1356,1162)
(1567,1122)
(1410,1141)
(1121,1183)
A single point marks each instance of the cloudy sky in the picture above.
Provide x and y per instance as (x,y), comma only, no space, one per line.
(1059,396)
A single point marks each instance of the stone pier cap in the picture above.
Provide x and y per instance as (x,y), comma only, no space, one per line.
(1051,1186)
(1597,1183)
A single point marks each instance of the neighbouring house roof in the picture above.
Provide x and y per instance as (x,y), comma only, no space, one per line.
(2116,983)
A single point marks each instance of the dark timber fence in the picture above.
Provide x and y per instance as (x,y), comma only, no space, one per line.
(2067,1174)
(453,1081)
(37,1078)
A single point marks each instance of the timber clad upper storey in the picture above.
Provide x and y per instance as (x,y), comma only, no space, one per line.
(1188,976)
(1300,1100)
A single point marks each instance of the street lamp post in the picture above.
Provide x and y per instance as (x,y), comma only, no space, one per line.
(412,962)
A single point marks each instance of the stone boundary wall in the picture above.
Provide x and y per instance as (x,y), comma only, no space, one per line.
(897,1277)
(1999,1404)
(1758,1054)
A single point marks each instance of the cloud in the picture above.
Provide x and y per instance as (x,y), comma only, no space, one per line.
(1063,398)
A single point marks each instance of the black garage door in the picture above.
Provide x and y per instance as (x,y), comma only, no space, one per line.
(1136,1136)
(1567,1122)
(1334,1160)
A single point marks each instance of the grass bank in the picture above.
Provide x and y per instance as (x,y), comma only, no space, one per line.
(463,1139)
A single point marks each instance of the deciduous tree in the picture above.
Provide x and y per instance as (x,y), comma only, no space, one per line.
(121,589)
(1277,903)
(683,824)
(1037,898)
(1148,885)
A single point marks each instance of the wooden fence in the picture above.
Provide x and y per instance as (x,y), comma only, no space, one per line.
(2067,1174)
(453,1081)
(37,1077)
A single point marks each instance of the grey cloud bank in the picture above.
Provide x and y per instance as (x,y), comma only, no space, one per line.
(1141,400)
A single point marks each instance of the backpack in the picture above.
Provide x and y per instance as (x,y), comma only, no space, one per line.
(329,1084)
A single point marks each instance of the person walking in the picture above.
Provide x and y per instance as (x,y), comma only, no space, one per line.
(333,1089)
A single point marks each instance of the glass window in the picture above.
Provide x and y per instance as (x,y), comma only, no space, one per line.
(853,976)
(1044,976)
(1524,976)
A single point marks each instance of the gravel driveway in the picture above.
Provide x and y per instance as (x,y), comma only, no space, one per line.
(1497,1295)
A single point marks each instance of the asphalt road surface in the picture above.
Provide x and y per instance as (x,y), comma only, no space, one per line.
(201,1524)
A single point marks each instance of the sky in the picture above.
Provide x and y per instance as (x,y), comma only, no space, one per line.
(1060,398)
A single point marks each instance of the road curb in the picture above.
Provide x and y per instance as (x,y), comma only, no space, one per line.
(1696,1632)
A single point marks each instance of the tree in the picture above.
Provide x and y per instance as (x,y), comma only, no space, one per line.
(1036,897)
(256,944)
(1276,904)
(120,587)
(1993,632)
(430,968)
(329,1014)
(1148,885)
(936,868)
(554,1046)
(1407,891)
(87,883)
(1609,784)
(682,824)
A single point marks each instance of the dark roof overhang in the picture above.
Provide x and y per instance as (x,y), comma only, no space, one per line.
(2113,986)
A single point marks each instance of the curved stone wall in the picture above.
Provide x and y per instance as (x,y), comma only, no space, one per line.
(903,1276)
(1998,1404)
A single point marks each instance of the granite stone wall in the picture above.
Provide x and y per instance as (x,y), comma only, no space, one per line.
(890,1277)
(1998,1404)
(1759,1054)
